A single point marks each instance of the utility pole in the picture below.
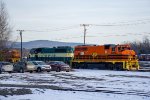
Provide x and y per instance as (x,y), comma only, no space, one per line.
(84,26)
(20,32)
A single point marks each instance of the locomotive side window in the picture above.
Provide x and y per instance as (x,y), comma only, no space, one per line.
(123,48)
(113,49)
(107,46)
(119,49)
(80,49)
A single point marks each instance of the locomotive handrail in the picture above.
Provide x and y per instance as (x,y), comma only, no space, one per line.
(106,57)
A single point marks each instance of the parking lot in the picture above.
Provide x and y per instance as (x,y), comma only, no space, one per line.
(79,84)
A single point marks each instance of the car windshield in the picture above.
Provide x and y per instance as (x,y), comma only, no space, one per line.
(51,63)
(41,63)
(6,63)
(30,63)
(61,63)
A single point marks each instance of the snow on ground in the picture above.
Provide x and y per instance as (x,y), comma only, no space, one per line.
(76,85)
(68,95)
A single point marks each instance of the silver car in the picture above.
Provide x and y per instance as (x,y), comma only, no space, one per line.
(41,66)
(6,67)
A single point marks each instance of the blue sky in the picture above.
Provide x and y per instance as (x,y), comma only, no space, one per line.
(60,20)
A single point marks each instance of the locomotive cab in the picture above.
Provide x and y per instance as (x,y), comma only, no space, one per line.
(125,50)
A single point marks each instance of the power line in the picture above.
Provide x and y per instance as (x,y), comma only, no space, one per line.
(142,33)
(137,22)
(117,35)
(56,29)
(125,23)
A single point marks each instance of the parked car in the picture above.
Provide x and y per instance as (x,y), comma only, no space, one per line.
(24,66)
(59,66)
(6,67)
(41,66)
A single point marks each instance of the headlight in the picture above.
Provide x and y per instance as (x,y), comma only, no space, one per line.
(43,67)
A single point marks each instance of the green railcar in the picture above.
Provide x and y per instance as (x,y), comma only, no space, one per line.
(62,53)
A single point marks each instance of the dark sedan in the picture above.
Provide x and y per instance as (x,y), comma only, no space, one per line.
(59,66)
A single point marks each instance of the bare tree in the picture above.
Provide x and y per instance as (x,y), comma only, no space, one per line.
(4,26)
(4,31)
(141,47)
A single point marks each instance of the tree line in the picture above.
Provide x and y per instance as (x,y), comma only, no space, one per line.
(141,47)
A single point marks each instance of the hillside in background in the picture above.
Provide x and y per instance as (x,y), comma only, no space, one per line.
(43,43)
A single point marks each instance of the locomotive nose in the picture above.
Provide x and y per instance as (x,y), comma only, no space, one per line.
(128,52)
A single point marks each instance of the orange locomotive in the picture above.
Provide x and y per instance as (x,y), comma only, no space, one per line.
(12,55)
(114,57)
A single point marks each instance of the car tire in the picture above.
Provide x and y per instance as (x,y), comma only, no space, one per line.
(48,71)
(0,72)
(58,69)
(9,72)
(39,70)
(31,71)
(67,70)
(21,70)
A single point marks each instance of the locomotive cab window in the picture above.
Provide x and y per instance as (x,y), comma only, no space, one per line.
(122,49)
(113,49)
(107,46)
(119,49)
